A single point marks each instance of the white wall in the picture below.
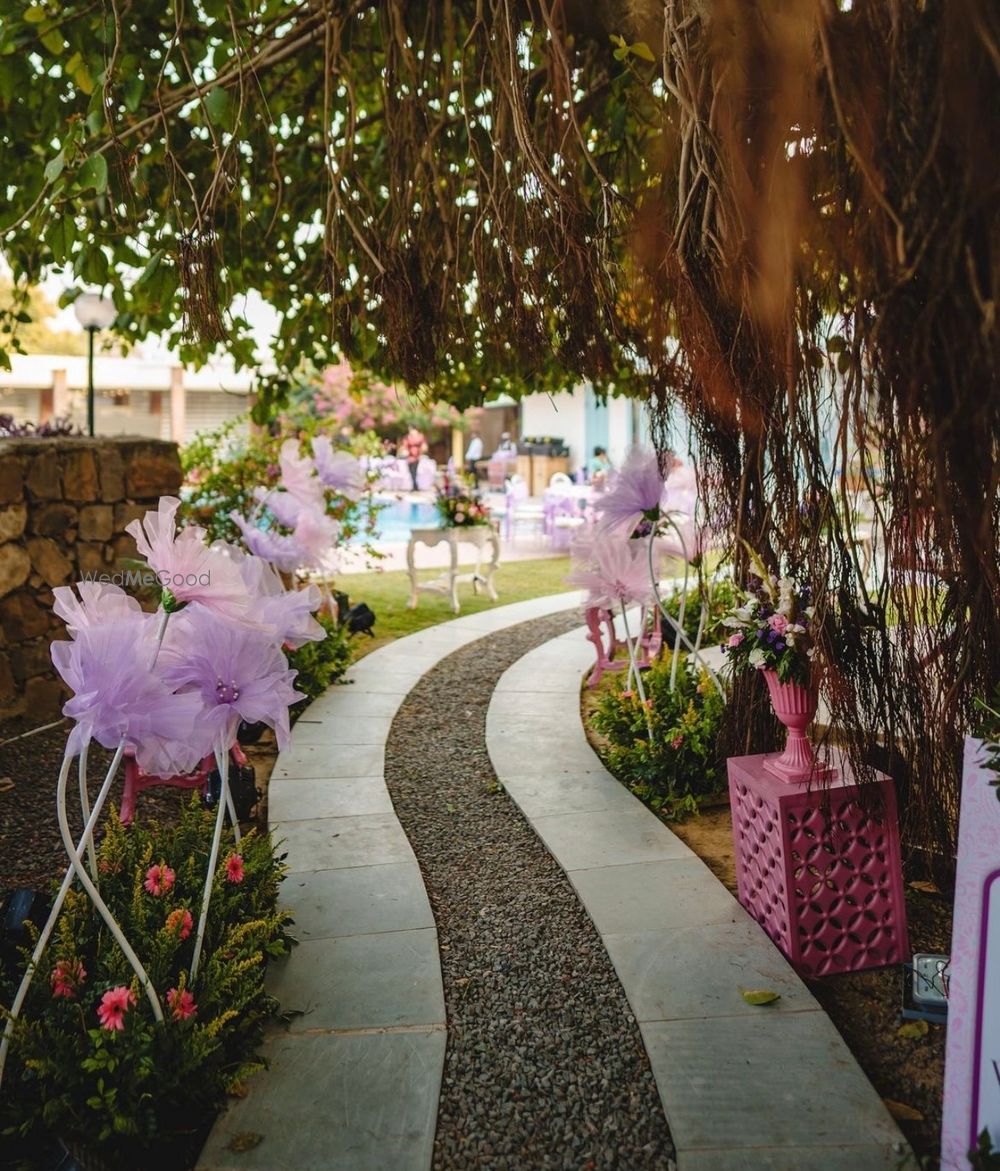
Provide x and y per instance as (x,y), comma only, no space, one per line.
(562,417)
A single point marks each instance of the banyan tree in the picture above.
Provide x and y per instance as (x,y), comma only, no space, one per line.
(778,217)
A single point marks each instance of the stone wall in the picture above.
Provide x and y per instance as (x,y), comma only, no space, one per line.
(64,505)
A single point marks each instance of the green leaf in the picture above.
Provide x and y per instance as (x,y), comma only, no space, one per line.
(217,104)
(35,14)
(132,93)
(61,236)
(151,267)
(54,167)
(53,41)
(641,49)
(759,996)
(92,266)
(94,173)
(913,1030)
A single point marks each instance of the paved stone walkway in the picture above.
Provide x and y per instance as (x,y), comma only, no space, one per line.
(354,1081)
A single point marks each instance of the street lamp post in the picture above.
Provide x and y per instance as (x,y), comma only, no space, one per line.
(93,312)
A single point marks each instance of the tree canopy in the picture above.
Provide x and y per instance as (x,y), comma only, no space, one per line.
(780,214)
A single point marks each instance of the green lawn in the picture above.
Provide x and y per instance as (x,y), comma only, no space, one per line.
(387,594)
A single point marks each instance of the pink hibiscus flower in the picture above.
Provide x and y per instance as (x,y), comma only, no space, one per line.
(115,1003)
(159,879)
(234,868)
(181,1004)
(66,978)
(180,922)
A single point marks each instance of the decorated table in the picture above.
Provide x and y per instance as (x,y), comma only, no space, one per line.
(481,537)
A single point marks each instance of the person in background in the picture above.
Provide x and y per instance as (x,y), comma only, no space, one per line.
(507,445)
(600,466)
(474,453)
(412,446)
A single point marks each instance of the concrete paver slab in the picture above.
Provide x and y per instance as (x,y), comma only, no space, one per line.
(361,982)
(328,797)
(329,843)
(339,730)
(313,761)
(359,900)
(840,1158)
(582,841)
(572,792)
(337,1103)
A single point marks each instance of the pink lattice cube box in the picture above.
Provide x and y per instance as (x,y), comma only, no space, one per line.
(818,872)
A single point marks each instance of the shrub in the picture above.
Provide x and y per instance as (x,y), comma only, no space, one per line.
(142,1096)
(673,758)
(722,597)
(321,663)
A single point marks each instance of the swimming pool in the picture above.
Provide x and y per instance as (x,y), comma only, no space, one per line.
(397,518)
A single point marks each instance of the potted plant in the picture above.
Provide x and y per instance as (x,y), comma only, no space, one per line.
(773,632)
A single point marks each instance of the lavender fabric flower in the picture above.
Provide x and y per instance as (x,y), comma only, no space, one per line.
(298,474)
(236,673)
(185,565)
(338,470)
(284,552)
(316,533)
(283,505)
(99,602)
(116,694)
(637,490)
(613,569)
(288,612)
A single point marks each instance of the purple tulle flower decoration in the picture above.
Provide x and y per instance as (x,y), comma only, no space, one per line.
(283,505)
(338,470)
(288,612)
(237,674)
(283,552)
(614,570)
(316,533)
(99,602)
(298,474)
(116,694)
(637,490)
(185,565)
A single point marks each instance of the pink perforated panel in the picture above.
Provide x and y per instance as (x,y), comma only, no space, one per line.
(826,885)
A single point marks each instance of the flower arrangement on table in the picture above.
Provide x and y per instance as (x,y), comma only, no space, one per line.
(459,506)
(773,627)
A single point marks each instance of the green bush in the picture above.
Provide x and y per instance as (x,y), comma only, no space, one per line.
(666,752)
(722,596)
(143,1096)
(321,663)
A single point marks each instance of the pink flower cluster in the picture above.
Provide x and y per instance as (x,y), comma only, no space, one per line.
(115,1003)
(66,978)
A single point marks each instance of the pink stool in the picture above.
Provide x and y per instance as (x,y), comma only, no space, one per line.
(826,885)
(649,643)
(136,781)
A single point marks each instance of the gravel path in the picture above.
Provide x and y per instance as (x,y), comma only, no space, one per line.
(545,1067)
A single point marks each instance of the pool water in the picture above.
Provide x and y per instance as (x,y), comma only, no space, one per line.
(397,518)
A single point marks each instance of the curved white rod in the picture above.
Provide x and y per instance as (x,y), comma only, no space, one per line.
(95,895)
(634,670)
(679,630)
(76,861)
(85,808)
(231,809)
(222,762)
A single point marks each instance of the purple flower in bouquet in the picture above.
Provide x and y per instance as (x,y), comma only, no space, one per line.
(614,570)
(236,674)
(284,552)
(288,612)
(635,494)
(116,694)
(99,602)
(186,567)
(338,470)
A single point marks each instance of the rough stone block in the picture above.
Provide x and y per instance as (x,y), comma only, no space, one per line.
(44,696)
(128,512)
(96,522)
(112,472)
(123,546)
(21,617)
(91,558)
(151,473)
(52,520)
(12,522)
(80,476)
(28,659)
(15,565)
(8,688)
(44,481)
(49,560)
(11,477)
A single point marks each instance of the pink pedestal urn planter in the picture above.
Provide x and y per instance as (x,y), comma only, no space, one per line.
(818,870)
(795,706)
